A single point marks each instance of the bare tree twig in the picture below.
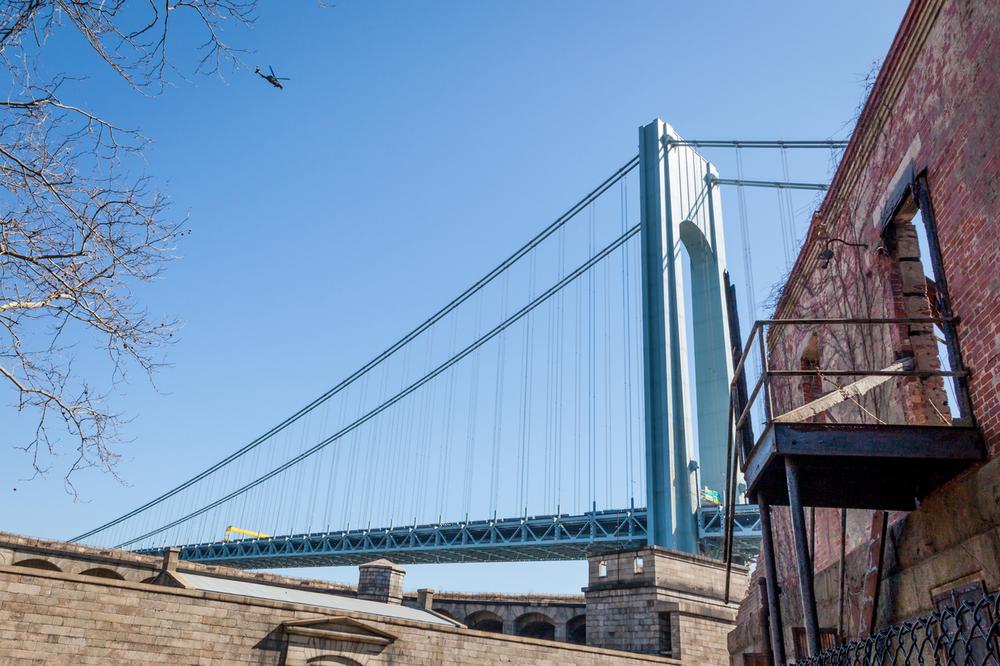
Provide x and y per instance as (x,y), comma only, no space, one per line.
(78,230)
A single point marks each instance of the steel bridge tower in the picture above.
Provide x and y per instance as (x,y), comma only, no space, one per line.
(680,205)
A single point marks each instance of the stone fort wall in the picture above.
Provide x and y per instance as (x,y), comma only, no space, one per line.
(110,616)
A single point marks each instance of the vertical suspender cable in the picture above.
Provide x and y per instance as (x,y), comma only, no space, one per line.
(606,383)
(560,378)
(751,294)
(790,208)
(498,405)
(578,386)
(627,346)
(591,379)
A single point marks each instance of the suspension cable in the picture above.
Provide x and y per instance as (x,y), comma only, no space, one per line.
(392,349)
(499,328)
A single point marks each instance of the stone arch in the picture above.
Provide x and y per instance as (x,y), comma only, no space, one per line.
(103,572)
(446,613)
(535,625)
(485,620)
(576,630)
(38,563)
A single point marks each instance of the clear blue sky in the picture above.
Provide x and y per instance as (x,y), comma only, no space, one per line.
(415,146)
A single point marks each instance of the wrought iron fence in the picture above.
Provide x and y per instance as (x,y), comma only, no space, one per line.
(966,635)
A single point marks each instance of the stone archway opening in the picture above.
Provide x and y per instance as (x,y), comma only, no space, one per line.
(535,625)
(102,572)
(576,630)
(38,563)
(485,621)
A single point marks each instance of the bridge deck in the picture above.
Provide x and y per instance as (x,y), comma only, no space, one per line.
(552,537)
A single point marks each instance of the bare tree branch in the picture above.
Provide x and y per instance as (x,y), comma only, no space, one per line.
(78,231)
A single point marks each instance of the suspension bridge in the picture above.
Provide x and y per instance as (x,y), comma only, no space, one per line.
(572,400)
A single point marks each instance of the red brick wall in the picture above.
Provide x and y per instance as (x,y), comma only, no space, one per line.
(934,107)
(944,120)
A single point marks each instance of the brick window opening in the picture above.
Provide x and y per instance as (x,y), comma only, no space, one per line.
(812,385)
(535,625)
(602,569)
(638,565)
(911,242)
(666,638)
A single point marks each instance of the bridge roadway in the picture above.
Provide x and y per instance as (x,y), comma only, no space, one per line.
(551,537)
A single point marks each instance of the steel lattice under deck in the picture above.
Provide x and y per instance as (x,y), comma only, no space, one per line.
(553,537)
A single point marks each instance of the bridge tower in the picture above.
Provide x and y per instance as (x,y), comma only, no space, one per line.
(680,204)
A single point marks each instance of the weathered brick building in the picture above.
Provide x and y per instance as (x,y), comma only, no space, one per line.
(908,229)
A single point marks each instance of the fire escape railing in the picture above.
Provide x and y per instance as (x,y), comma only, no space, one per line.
(760,338)
(744,394)
(900,400)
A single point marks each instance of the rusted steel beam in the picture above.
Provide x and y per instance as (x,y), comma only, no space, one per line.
(771,578)
(873,573)
(803,561)
(842,573)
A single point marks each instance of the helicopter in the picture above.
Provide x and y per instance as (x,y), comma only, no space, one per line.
(271,78)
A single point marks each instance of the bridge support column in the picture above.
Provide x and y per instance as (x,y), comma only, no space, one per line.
(668,477)
(679,206)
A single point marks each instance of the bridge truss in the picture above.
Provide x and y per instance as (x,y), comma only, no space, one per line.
(534,538)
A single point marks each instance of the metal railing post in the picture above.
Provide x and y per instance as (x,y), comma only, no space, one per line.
(771,578)
(765,375)
(803,560)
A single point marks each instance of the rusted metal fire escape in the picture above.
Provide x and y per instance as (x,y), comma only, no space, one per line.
(891,430)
